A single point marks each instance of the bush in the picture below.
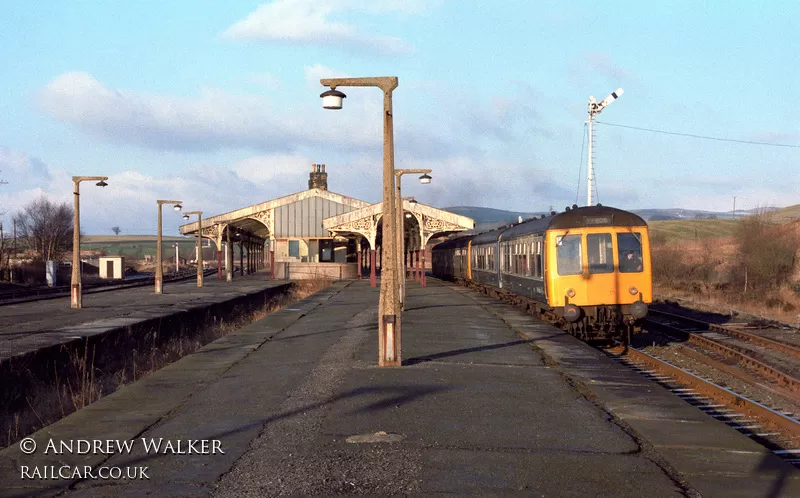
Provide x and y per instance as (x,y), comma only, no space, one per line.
(767,254)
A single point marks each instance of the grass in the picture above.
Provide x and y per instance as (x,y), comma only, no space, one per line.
(692,229)
(787,214)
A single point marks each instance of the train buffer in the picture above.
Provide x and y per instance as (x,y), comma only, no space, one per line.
(488,401)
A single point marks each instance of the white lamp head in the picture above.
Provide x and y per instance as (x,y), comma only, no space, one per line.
(332,99)
(425,179)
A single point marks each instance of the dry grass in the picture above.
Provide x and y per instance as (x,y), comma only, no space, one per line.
(81,382)
(750,272)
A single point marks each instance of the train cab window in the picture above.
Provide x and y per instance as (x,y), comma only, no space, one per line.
(629,247)
(600,252)
(568,255)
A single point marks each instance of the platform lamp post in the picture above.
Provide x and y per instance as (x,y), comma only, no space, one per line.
(177,258)
(199,244)
(389,312)
(159,270)
(401,246)
(76,288)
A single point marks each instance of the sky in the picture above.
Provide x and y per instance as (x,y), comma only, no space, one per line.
(217,104)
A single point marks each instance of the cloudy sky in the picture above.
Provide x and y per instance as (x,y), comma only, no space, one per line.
(217,103)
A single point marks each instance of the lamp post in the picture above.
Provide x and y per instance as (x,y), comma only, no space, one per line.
(199,244)
(159,271)
(424,179)
(389,312)
(177,258)
(76,288)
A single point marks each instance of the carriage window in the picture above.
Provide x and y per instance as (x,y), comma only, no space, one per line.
(629,246)
(568,254)
(600,252)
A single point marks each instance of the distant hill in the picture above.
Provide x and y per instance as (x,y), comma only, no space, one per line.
(490,218)
(697,214)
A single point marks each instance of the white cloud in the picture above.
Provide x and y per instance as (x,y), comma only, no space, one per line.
(313,21)
(218,120)
(17,167)
(211,121)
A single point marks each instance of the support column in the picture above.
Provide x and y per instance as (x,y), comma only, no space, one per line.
(228,256)
(241,259)
(358,264)
(271,262)
(424,281)
(372,272)
(419,269)
(249,268)
(219,261)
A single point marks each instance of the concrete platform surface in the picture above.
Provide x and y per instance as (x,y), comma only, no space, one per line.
(29,326)
(489,402)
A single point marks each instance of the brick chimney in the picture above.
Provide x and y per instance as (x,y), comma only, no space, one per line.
(318,178)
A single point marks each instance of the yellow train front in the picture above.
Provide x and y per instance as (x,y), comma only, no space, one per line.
(586,269)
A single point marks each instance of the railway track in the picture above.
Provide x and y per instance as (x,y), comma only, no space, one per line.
(767,423)
(758,356)
(779,431)
(25,295)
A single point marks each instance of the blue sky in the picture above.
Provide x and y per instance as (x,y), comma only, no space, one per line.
(218,104)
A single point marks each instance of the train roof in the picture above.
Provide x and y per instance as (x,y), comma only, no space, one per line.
(577,217)
(457,242)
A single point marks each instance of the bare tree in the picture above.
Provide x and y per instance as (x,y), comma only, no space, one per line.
(116,230)
(46,229)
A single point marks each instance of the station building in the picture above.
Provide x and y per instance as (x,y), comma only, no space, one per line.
(320,233)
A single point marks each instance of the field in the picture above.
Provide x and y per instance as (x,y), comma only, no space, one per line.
(706,228)
(692,229)
(138,246)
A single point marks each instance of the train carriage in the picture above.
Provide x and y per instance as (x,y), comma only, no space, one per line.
(586,269)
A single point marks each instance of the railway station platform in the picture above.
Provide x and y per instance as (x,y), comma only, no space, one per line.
(32,325)
(489,401)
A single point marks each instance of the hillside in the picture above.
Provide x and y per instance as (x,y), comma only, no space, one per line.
(787,214)
(692,229)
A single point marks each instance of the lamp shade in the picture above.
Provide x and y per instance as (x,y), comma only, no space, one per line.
(332,99)
(425,179)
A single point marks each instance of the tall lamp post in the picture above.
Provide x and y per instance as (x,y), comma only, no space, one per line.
(76,288)
(389,312)
(199,244)
(159,270)
(401,249)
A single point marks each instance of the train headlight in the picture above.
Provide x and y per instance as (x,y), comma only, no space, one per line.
(570,293)
(633,290)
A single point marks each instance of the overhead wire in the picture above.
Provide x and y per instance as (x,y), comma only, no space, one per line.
(704,137)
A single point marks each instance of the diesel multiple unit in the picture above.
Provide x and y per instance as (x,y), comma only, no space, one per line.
(586,269)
